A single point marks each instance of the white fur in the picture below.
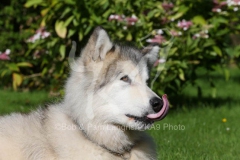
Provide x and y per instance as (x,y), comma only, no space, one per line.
(103,42)
(88,120)
(152,55)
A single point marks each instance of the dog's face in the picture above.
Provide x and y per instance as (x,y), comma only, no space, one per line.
(115,81)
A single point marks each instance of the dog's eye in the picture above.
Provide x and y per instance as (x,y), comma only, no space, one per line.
(125,79)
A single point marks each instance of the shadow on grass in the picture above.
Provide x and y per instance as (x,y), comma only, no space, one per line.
(234,75)
(227,92)
(234,78)
(191,102)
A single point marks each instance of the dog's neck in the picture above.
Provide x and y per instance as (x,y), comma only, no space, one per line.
(125,155)
(112,138)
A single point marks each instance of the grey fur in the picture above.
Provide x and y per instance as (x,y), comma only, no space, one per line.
(93,98)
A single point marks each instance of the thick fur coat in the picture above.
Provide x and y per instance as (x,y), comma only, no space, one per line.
(106,107)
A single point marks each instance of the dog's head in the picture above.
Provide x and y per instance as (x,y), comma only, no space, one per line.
(112,86)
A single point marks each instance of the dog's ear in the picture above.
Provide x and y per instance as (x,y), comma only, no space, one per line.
(150,53)
(98,45)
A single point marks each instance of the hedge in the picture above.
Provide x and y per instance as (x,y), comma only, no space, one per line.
(192,35)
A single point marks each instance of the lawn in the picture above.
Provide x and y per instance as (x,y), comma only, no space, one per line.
(206,127)
(202,128)
(22,101)
(199,134)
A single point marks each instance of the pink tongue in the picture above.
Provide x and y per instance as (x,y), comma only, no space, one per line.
(162,113)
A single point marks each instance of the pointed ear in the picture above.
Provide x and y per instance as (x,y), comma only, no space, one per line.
(151,53)
(98,45)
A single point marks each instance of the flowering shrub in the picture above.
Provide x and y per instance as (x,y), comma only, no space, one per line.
(16,26)
(223,5)
(203,32)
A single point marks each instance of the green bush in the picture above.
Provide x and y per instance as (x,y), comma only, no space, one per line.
(17,25)
(201,31)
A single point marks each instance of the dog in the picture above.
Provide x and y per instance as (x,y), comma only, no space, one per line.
(106,106)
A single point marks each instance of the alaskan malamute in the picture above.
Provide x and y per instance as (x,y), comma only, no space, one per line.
(106,107)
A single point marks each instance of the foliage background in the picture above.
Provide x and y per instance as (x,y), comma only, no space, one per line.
(209,42)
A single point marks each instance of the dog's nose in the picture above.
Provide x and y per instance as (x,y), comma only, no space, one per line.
(156,104)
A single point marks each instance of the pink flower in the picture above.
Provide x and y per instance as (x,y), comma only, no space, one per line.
(5,55)
(236,2)
(218,5)
(175,33)
(40,33)
(115,17)
(233,2)
(45,34)
(130,21)
(216,9)
(8,51)
(161,60)
(157,39)
(167,6)
(184,24)
(202,34)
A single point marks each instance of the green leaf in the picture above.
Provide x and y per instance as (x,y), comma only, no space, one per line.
(181,75)
(72,2)
(13,67)
(87,30)
(238,27)
(172,51)
(217,50)
(4,72)
(213,53)
(60,29)
(75,22)
(222,20)
(208,43)
(152,13)
(129,36)
(66,11)
(62,51)
(44,71)
(44,11)
(223,32)
(80,35)
(31,3)
(176,16)
(24,64)
(54,2)
(68,21)
(43,21)
(199,20)
(53,42)
(189,41)
(71,32)
(17,80)
(182,10)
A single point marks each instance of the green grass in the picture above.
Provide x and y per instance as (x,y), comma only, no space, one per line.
(201,134)
(21,101)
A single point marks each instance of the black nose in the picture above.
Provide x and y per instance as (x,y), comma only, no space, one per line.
(156,104)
